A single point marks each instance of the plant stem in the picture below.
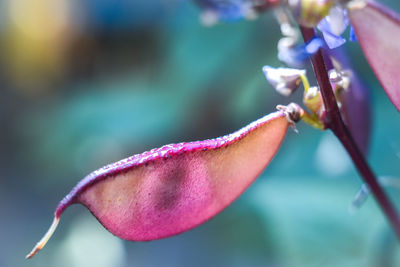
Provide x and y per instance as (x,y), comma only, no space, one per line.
(334,122)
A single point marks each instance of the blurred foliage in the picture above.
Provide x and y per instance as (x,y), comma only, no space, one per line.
(85,83)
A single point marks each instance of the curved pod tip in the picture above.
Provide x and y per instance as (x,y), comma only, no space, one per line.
(45,238)
(169,190)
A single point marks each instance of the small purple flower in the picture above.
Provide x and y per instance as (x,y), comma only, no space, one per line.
(227,10)
(284,80)
(296,55)
(333,26)
(353,37)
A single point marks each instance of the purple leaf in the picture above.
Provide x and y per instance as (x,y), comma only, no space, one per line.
(169,190)
(378,31)
(357,112)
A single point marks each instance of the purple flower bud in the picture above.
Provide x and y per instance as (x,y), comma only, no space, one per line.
(284,80)
(226,10)
(352,37)
(231,10)
(356,99)
(296,55)
(338,77)
(333,26)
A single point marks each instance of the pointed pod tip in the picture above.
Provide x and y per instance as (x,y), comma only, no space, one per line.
(35,250)
(44,239)
(293,112)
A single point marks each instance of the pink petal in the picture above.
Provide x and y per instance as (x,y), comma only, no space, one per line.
(378,31)
(172,189)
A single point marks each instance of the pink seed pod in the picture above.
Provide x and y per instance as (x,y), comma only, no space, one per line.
(378,31)
(169,190)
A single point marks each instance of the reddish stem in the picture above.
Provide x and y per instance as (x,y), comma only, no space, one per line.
(334,122)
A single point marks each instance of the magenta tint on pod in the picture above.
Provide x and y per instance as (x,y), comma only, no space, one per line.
(377,29)
(169,190)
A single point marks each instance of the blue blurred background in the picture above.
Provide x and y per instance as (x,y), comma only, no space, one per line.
(86,83)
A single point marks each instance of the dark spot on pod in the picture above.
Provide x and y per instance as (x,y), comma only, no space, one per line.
(168,193)
(204,149)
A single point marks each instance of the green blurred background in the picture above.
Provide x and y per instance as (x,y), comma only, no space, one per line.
(86,83)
